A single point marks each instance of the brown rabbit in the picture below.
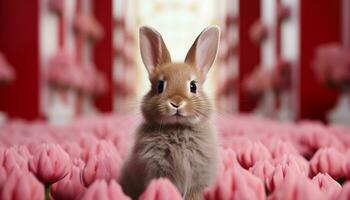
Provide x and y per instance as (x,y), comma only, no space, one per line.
(177,139)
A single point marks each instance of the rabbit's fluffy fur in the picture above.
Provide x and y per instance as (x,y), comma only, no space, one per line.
(177,139)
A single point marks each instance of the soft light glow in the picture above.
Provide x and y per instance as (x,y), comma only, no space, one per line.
(179,22)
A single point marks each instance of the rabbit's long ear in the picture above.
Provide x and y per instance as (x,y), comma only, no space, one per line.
(153,49)
(203,51)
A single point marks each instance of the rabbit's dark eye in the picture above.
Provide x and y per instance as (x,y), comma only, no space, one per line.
(193,86)
(160,86)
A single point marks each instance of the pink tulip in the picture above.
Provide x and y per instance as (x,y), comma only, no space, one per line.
(50,163)
(331,64)
(297,188)
(15,158)
(100,147)
(3,177)
(56,6)
(327,184)
(281,75)
(258,31)
(160,189)
(3,171)
(103,166)
(63,70)
(227,159)
(101,191)
(22,185)
(345,192)
(314,136)
(278,148)
(299,163)
(89,82)
(70,187)
(235,143)
(283,12)
(122,144)
(236,183)
(88,26)
(73,149)
(341,133)
(252,153)
(258,82)
(346,165)
(328,160)
(262,170)
(283,169)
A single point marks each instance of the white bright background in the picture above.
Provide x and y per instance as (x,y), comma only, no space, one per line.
(179,22)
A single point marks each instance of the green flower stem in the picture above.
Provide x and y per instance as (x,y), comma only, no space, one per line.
(47,191)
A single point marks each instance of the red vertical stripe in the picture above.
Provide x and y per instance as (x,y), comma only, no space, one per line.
(319,23)
(103,51)
(249,52)
(278,29)
(346,23)
(19,42)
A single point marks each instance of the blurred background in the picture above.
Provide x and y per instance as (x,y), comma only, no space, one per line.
(282,59)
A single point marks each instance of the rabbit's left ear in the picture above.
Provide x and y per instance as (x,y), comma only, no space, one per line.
(203,51)
(153,49)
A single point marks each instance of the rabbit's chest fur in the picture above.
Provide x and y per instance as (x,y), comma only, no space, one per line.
(185,155)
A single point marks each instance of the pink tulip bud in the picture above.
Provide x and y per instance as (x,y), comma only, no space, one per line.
(299,163)
(283,12)
(3,177)
(50,163)
(100,147)
(258,82)
(73,149)
(346,165)
(236,183)
(56,6)
(345,192)
(258,31)
(262,169)
(331,65)
(278,148)
(70,187)
(327,184)
(280,173)
(236,143)
(101,191)
(15,158)
(315,136)
(328,160)
(63,70)
(341,133)
(252,153)
(88,26)
(122,144)
(103,166)
(160,189)
(297,188)
(228,159)
(22,185)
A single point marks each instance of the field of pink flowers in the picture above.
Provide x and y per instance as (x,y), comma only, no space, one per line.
(259,159)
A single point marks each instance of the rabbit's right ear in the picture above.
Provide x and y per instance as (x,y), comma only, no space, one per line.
(153,49)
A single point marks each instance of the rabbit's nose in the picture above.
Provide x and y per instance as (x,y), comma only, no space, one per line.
(176,102)
(174,105)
